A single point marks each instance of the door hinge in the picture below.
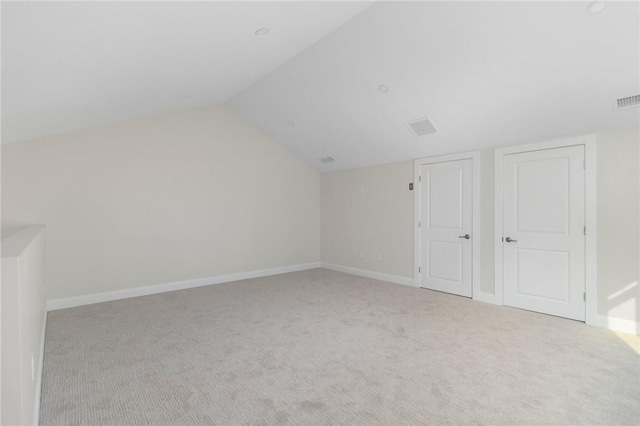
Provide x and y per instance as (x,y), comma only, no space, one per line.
(419,178)
(418,269)
(584,296)
(584,164)
(584,230)
(419,224)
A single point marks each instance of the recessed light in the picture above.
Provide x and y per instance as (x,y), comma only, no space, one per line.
(262,31)
(596,6)
(383,88)
(291,123)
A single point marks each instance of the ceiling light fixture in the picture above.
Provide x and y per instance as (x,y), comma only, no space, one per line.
(328,159)
(262,31)
(383,88)
(596,6)
(291,123)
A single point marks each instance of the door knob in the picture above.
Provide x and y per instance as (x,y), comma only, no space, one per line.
(466,236)
(509,240)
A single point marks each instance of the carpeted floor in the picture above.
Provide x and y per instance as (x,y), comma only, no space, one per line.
(322,347)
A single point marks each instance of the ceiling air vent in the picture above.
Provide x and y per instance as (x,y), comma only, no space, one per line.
(628,102)
(421,127)
(328,159)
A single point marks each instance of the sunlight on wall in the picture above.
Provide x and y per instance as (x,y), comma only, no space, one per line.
(624,290)
(625,302)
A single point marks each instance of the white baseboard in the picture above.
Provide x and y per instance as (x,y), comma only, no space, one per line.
(89,299)
(617,324)
(40,369)
(370,274)
(481,296)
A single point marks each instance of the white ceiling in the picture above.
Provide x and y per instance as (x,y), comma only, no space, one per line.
(75,65)
(485,73)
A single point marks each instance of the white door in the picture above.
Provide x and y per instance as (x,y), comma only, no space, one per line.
(445,226)
(543,231)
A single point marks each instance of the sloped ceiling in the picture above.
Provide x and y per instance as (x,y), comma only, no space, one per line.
(75,65)
(486,74)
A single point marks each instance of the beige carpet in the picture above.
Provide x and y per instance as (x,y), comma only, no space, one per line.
(322,347)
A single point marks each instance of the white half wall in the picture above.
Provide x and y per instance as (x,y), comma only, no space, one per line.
(23,325)
(178,197)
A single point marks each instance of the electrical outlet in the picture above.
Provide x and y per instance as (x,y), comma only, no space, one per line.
(175,264)
(379,258)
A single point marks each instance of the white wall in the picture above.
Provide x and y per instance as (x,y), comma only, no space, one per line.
(23,324)
(370,222)
(182,196)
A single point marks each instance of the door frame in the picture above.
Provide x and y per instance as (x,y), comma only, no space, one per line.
(589,143)
(474,156)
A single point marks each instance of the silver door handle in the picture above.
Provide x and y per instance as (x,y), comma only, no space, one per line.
(509,240)
(466,236)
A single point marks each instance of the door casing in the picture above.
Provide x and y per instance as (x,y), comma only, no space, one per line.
(588,142)
(474,156)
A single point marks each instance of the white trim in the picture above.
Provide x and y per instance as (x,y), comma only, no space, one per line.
(370,274)
(588,141)
(476,165)
(591,240)
(89,299)
(36,402)
(482,296)
(498,209)
(617,324)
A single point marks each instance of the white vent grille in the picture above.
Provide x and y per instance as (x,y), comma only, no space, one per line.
(421,127)
(328,159)
(628,102)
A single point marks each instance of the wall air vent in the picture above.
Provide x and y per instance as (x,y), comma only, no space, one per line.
(421,127)
(628,102)
(328,159)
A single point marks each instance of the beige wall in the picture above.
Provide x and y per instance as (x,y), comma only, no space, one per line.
(188,195)
(201,193)
(618,186)
(487,206)
(369,211)
(367,218)
(381,220)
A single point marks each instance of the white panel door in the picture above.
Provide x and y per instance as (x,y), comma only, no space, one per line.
(543,234)
(445,226)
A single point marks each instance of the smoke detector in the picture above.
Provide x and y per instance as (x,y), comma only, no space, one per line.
(328,159)
(421,127)
(627,102)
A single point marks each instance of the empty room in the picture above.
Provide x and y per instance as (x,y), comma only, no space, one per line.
(320,212)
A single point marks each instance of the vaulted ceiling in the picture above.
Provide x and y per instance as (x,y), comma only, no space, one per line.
(485,73)
(338,79)
(75,65)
